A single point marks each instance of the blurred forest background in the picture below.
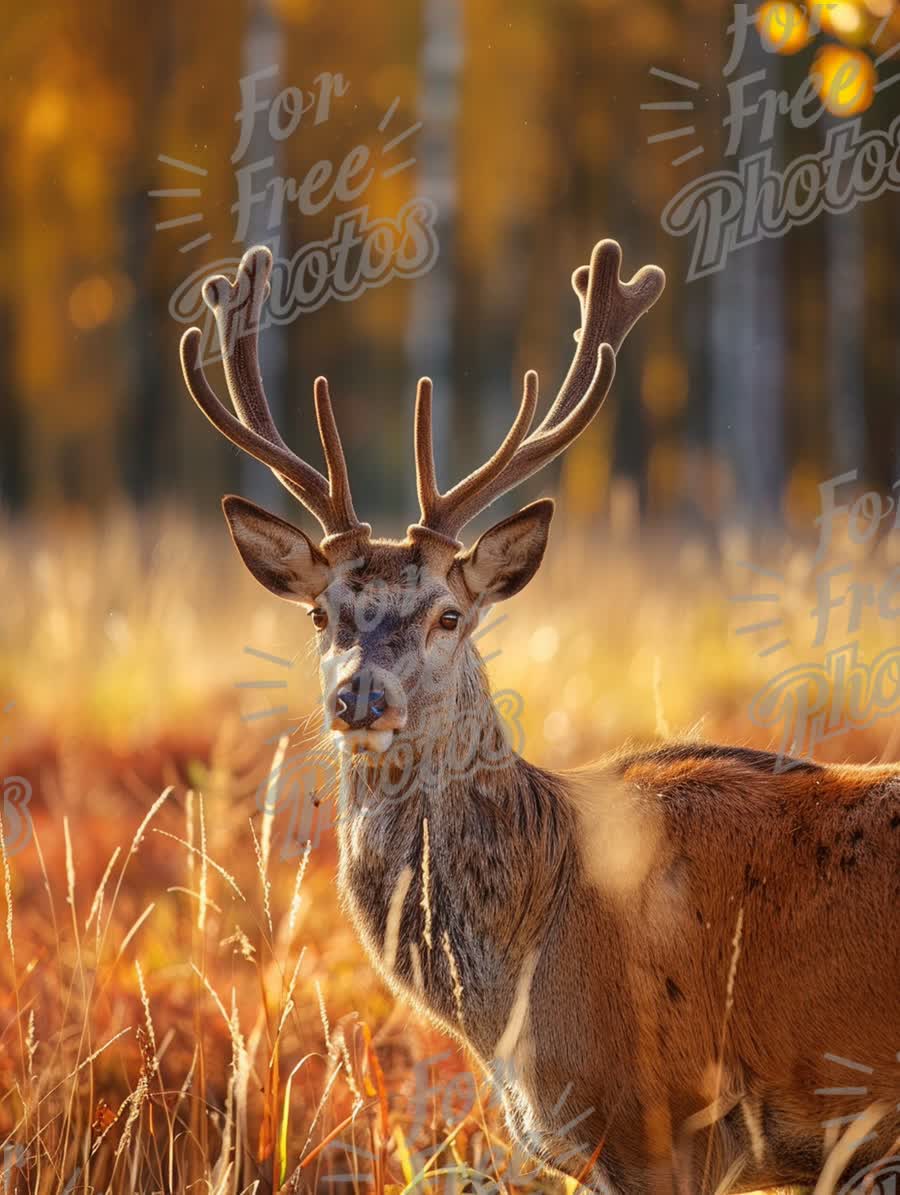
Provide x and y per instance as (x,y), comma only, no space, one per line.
(741,392)
(197,1014)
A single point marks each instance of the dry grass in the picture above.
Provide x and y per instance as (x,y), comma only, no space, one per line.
(182,1004)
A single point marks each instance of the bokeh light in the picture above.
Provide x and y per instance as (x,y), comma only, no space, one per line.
(845,20)
(783,27)
(845,80)
(91,303)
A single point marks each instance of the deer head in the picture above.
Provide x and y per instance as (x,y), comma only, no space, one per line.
(394,619)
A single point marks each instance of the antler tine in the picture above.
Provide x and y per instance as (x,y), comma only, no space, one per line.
(471,485)
(539,449)
(636,296)
(609,308)
(302,479)
(338,477)
(426,482)
(236,308)
(437,509)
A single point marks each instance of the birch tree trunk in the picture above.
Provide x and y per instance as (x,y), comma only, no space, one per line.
(747,368)
(844,296)
(430,331)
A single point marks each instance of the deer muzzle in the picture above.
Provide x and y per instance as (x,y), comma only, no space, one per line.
(367,710)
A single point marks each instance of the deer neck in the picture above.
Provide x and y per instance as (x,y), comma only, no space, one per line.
(453,867)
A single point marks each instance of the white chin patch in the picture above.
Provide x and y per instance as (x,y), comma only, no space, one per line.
(352,741)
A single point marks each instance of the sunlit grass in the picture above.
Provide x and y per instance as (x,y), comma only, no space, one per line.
(181,1000)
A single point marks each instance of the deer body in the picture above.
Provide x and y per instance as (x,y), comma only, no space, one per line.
(581,933)
(677,963)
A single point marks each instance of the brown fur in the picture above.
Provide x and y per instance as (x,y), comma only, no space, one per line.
(698,929)
(667,959)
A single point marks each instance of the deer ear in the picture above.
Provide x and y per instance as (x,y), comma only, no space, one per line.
(281,557)
(507,556)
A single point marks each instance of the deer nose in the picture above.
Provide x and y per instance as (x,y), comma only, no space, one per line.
(358,704)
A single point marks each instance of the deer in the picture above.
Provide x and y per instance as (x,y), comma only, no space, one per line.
(678,965)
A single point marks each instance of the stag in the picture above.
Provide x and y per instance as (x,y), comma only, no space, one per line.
(665,960)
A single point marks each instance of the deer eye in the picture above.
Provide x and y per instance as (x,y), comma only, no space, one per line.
(319,618)
(449,620)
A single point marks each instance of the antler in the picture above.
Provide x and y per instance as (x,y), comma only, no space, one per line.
(236,308)
(609,310)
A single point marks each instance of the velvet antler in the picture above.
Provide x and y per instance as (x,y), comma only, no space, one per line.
(236,307)
(609,309)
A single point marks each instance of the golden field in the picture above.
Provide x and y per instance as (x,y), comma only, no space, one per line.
(183,1005)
